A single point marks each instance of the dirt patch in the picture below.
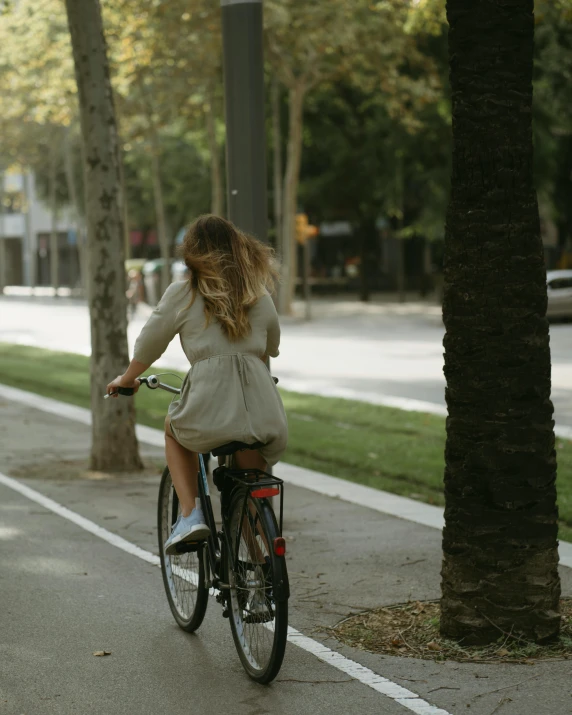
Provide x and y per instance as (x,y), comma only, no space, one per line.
(64,470)
(411,630)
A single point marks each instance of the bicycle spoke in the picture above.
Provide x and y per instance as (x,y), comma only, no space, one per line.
(254,613)
(181,572)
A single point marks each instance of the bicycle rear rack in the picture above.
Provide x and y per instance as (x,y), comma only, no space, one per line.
(260,484)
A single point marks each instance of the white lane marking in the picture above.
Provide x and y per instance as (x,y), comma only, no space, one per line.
(386,687)
(404,697)
(384,502)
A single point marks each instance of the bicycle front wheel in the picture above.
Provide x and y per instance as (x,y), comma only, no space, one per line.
(183,573)
(258,595)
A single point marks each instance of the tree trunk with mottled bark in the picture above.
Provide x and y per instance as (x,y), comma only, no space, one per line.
(292,180)
(500,562)
(114,445)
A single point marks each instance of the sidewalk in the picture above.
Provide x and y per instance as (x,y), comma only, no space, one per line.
(342,558)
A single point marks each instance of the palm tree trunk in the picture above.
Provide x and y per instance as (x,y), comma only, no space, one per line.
(294,158)
(500,561)
(114,445)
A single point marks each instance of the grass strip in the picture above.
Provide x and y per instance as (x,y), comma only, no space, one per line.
(381,447)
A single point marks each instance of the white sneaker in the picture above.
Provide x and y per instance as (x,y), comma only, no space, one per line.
(187,528)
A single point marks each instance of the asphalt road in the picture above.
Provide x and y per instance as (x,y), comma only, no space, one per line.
(363,352)
(67,594)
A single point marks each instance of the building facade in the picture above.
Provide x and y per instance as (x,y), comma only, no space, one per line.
(30,238)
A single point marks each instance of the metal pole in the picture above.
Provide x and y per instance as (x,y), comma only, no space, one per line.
(244,110)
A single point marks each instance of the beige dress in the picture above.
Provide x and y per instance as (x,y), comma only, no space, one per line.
(228,394)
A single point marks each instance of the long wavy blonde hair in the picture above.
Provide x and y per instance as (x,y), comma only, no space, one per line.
(229,269)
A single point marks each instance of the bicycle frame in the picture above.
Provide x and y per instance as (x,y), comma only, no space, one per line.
(227,479)
(255,482)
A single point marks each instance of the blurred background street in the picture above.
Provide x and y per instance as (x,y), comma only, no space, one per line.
(365,352)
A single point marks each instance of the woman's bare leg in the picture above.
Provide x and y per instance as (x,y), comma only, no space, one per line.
(184,467)
(250,459)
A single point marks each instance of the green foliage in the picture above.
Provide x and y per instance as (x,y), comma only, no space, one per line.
(184,176)
(376,78)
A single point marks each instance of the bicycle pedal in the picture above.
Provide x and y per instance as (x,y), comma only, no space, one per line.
(187,548)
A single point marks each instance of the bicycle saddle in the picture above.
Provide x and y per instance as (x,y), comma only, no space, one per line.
(232,447)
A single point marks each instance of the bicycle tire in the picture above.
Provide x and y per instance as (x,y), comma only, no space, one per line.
(247,628)
(183,574)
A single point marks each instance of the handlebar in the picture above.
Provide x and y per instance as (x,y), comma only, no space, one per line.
(153,383)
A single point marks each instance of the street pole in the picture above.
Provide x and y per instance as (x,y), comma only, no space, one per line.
(243,64)
(244,109)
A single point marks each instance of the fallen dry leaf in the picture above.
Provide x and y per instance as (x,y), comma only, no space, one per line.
(502,652)
(102,652)
(433,645)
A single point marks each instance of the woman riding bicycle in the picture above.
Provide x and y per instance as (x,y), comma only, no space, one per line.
(228,327)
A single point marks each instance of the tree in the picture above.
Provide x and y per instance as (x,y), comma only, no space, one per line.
(38,106)
(500,563)
(553,114)
(163,74)
(114,445)
(313,44)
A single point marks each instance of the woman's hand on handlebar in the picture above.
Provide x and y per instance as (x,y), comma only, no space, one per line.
(121,381)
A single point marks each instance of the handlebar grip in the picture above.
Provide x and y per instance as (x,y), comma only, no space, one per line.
(126,391)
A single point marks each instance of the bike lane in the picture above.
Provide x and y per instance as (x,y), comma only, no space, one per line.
(341,558)
(67,594)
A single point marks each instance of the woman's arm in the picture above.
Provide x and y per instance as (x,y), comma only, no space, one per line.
(157,333)
(162,325)
(129,378)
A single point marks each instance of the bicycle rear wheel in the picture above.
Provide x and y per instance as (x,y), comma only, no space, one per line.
(184,573)
(258,596)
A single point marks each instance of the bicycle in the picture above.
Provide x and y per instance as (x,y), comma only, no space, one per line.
(243,563)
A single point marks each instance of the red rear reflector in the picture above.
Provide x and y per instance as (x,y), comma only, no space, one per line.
(279,546)
(265,492)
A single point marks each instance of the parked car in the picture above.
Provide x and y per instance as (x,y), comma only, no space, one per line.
(559,285)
